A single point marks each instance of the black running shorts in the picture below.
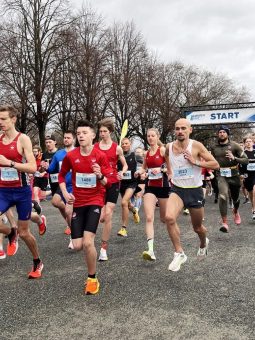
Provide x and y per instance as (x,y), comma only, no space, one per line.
(85,219)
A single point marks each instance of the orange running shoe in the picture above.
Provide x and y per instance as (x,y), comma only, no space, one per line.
(13,243)
(67,231)
(36,271)
(2,254)
(91,286)
(42,227)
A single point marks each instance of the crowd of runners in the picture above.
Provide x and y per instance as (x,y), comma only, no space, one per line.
(85,182)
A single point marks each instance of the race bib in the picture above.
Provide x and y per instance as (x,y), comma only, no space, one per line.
(86,180)
(183,173)
(9,174)
(54,178)
(127,175)
(152,176)
(226,172)
(251,167)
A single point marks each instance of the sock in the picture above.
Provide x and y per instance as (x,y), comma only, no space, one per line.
(12,233)
(92,276)
(138,203)
(150,244)
(36,262)
(124,226)
(104,245)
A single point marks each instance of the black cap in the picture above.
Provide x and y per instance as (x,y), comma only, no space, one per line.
(225,128)
(49,136)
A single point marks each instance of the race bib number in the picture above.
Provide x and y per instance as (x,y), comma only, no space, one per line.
(54,178)
(251,167)
(183,173)
(127,175)
(9,174)
(226,172)
(152,176)
(86,180)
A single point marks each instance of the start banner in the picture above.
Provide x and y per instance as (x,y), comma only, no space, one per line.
(243,115)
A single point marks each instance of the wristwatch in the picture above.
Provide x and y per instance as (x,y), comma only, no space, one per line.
(101,178)
(12,164)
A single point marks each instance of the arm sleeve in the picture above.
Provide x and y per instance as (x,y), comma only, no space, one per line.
(53,167)
(65,168)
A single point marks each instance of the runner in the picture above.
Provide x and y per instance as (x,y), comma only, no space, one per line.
(90,172)
(184,166)
(248,172)
(40,180)
(14,185)
(113,153)
(228,154)
(53,169)
(128,185)
(156,188)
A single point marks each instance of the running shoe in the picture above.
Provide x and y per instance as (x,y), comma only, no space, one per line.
(122,232)
(42,227)
(179,259)
(253,215)
(36,271)
(36,206)
(246,200)
(203,252)
(70,245)
(91,286)
(13,243)
(2,255)
(224,228)
(210,193)
(237,218)
(186,211)
(136,215)
(103,255)
(149,255)
(67,231)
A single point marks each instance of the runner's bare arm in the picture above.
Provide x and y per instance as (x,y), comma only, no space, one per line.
(122,159)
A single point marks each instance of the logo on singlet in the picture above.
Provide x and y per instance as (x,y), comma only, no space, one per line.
(77,160)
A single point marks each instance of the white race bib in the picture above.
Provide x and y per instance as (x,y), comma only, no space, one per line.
(9,174)
(183,173)
(127,175)
(54,178)
(86,180)
(225,172)
(251,167)
(152,176)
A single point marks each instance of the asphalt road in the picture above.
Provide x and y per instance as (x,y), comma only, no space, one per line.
(210,299)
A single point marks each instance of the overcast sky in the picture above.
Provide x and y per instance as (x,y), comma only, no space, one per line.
(216,35)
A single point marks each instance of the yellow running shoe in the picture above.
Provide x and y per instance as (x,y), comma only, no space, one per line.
(91,286)
(136,215)
(122,232)
(148,255)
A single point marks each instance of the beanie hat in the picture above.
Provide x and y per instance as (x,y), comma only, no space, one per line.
(225,128)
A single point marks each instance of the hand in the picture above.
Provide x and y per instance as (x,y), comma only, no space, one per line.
(69,198)
(156,171)
(120,175)
(229,155)
(4,161)
(187,155)
(43,166)
(96,169)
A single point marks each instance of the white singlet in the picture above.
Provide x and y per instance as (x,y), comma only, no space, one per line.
(185,175)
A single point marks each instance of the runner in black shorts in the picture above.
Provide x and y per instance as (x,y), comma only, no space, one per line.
(128,184)
(90,172)
(156,188)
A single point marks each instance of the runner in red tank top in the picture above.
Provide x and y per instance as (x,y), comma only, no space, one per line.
(156,187)
(113,153)
(14,186)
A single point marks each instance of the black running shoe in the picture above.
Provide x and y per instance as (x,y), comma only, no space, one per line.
(37,207)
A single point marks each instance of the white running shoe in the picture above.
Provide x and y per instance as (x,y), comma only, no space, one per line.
(103,255)
(70,245)
(203,252)
(179,259)
(149,255)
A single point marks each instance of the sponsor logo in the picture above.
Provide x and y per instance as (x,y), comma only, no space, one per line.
(77,160)
(97,211)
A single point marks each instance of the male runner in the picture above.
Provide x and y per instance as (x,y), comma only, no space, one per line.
(184,166)
(90,172)
(113,153)
(229,154)
(14,185)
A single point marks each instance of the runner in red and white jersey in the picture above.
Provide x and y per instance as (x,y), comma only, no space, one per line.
(17,159)
(90,173)
(156,187)
(113,153)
